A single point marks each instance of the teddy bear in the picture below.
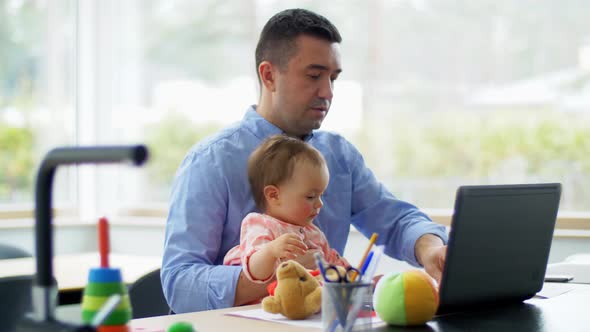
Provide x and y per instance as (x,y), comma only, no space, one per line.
(297,295)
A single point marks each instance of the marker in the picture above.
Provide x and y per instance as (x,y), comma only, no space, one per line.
(372,266)
(320,263)
(367,261)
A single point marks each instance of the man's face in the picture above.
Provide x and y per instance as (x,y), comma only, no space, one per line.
(304,89)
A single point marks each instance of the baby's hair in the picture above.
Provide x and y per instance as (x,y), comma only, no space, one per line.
(273,162)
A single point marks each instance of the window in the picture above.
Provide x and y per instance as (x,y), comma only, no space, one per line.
(37,96)
(436,94)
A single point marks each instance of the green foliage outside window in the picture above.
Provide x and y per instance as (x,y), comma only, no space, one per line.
(16,161)
(169,141)
(453,146)
(462,143)
(429,156)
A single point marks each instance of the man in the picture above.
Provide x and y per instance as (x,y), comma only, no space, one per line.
(297,61)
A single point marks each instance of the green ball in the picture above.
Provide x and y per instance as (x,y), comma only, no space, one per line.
(181,327)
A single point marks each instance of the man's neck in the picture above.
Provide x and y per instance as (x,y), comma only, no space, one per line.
(264,109)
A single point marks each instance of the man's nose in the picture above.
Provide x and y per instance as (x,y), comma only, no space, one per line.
(326,89)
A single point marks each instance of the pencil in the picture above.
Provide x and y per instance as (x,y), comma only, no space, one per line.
(371,243)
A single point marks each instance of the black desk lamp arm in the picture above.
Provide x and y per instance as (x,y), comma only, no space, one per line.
(43,300)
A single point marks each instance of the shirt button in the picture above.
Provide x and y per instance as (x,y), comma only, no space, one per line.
(301,230)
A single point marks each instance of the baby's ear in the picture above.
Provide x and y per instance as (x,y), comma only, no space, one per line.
(271,195)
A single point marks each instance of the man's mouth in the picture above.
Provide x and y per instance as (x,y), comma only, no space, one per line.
(320,105)
(320,109)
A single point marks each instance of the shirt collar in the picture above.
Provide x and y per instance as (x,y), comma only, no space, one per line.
(261,128)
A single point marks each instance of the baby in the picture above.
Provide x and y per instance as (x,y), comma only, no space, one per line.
(287,178)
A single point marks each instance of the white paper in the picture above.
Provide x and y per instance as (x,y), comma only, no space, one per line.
(314,321)
(552,289)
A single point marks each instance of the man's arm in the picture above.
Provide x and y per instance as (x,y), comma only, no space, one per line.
(192,280)
(399,224)
(430,252)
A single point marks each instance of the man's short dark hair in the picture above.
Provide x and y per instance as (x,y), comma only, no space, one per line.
(277,39)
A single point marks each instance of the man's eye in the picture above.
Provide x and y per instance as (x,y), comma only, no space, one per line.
(314,77)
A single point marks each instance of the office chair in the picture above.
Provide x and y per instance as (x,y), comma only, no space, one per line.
(7,252)
(15,300)
(146,296)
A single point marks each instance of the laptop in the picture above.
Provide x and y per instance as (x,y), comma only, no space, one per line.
(499,245)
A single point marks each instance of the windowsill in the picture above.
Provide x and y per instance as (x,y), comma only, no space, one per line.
(28,223)
(569,224)
(566,220)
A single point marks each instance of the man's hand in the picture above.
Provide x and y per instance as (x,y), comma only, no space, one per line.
(430,251)
(287,246)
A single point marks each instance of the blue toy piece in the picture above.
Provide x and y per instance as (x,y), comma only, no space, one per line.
(104,274)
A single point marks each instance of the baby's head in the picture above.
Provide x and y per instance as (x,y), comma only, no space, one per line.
(287,177)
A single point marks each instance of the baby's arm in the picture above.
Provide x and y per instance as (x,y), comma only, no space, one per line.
(262,262)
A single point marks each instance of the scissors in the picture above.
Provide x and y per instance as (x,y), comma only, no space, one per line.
(340,274)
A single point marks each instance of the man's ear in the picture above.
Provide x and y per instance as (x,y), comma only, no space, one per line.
(267,75)
(272,195)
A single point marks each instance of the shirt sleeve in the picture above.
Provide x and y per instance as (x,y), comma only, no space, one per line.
(191,280)
(255,233)
(399,224)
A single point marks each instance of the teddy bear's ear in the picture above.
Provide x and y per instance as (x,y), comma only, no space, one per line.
(300,271)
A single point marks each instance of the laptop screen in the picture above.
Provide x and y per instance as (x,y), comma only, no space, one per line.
(499,244)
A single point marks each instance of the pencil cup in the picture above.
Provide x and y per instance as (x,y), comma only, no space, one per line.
(102,283)
(347,307)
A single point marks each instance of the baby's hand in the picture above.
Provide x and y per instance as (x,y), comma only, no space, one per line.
(308,260)
(287,246)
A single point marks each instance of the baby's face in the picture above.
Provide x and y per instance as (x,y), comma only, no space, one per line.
(300,197)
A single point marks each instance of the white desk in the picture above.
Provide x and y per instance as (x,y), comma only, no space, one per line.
(566,312)
(212,320)
(560,313)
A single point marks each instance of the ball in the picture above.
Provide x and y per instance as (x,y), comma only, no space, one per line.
(407,298)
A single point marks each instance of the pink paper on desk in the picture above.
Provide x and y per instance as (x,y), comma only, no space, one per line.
(143,329)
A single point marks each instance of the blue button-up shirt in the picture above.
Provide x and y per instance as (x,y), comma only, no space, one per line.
(211,195)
